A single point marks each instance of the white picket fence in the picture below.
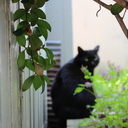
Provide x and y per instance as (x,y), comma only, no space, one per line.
(17,109)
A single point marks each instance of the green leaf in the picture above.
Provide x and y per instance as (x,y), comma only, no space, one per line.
(46,79)
(34,19)
(27,5)
(24,1)
(20,31)
(40,14)
(81,85)
(15,1)
(18,14)
(29,51)
(29,65)
(43,83)
(22,24)
(53,62)
(21,60)
(42,61)
(21,40)
(27,83)
(35,56)
(78,90)
(35,42)
(44,24)
(49,53)
(37,82)
(40,3)
(116,9)
(28,17)
(44,32)
(49,63)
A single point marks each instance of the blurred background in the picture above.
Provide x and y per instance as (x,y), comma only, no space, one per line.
(74,23)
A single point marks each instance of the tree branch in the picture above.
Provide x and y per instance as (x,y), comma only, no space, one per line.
(118,17)
(123,3)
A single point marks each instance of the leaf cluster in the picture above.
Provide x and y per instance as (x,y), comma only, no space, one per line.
(33,25)
(111,105)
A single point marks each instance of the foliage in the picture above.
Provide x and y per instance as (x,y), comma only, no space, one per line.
(116,9)
(31,27)
(111,105)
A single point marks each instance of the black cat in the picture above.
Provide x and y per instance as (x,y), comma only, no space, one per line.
(65,104)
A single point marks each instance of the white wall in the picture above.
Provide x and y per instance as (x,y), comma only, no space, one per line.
(59,15)
(89,31)
(17,109)
(10,109)
(74,22)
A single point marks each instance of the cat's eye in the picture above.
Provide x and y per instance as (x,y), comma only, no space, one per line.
(95,59)
(86,59)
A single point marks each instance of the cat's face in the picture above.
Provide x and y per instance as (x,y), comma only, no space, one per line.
(88,58)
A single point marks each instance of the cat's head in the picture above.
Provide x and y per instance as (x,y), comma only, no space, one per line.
(87,58)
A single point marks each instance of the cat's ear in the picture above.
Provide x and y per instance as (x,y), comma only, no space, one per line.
(80,50)
(96,49)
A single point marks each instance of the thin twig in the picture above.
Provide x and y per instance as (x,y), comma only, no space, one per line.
(98,10)
(124,13)
(118,17)
(122,25)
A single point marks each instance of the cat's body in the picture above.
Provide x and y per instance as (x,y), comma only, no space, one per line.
(65,104)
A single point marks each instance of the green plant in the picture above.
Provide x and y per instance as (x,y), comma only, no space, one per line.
(32,25)
(111,108)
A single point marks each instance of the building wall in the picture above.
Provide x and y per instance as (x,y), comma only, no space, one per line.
(90,30)
(75,23)
(17,109)
(10,94)
(59,15)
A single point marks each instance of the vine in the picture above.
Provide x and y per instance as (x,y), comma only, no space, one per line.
(31,27)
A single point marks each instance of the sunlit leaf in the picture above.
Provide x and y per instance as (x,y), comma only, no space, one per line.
(29,65)
(44,24)
(78,90)
(27,83)
(44,32)
(49,53)
(49,63)
(43,83)
(21,60)
(40,14)
(116,9)
(18,14)
(21,40)
(37,82)
(34,19)
(46,79)
(35,42)
(41,61)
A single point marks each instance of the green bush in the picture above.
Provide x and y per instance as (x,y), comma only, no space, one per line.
(111,90)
